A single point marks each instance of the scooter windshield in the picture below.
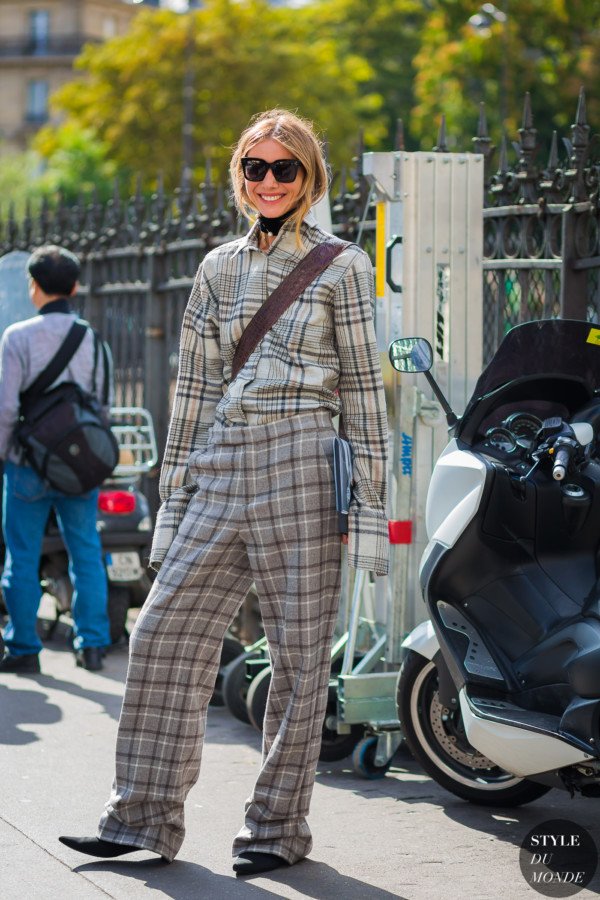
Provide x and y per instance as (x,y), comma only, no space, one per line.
(548,363)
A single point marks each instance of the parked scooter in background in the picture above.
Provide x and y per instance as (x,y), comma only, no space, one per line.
(499,694)
(124,523)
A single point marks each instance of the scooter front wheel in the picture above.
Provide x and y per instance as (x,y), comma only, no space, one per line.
(436,738)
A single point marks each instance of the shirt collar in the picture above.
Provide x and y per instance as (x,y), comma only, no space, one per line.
(55,306)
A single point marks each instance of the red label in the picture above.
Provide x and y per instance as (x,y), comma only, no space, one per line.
(400,532)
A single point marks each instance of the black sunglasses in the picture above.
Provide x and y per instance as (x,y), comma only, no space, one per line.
(284,170)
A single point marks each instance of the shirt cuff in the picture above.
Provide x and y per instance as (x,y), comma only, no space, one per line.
(168,520)
(368,540)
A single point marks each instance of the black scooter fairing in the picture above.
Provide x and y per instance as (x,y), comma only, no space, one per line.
(530,593)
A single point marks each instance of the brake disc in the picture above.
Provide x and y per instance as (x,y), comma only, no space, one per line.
(450,742)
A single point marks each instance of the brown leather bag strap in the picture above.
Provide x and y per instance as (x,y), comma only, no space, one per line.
(315,262)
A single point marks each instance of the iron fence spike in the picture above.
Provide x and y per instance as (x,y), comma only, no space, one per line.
(482,126)
(482,143)
(441,144)
(527,113)
(553,157)
(503,159)
(581,114)
(399,136)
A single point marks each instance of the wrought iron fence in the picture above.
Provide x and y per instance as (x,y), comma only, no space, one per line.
(541,234)
(139,259)
(541,254)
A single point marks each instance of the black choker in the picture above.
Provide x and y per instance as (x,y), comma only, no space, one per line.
(273,226)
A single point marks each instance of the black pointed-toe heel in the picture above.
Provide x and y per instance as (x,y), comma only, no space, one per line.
(252,862)
(93,846)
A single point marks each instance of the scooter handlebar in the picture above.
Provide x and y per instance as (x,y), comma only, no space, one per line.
(561,463)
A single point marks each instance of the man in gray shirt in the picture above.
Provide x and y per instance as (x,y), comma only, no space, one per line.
(25,351)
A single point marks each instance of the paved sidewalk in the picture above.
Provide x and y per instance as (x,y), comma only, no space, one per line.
(401,836)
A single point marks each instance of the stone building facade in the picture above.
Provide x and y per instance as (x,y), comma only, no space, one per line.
(39,41)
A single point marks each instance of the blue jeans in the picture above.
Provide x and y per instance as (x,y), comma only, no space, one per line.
(27,504)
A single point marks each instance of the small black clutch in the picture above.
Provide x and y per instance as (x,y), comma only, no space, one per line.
(342,474)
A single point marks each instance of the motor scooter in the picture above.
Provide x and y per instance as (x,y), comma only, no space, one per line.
(125,525)
(499,691)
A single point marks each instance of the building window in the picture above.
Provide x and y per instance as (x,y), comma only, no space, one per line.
(39,30)
(37,101)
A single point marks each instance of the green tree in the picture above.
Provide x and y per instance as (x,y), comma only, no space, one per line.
(77,164)
(546,47)
(18,176)
(245,57)
(385,33)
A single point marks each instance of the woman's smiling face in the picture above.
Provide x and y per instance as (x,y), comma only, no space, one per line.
(270,197)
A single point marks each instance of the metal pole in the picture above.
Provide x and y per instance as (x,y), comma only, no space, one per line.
(187,130)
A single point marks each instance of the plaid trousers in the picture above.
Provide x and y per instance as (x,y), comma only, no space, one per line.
(264,511)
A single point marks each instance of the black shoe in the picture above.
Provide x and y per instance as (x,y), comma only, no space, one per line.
(253,862)
(28,663)
(93,846)
(90,658)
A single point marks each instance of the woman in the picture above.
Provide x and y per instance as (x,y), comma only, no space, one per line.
(248,495)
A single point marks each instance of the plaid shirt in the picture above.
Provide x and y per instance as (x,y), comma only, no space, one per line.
(321,354)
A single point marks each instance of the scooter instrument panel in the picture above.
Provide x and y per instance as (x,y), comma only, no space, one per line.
(524,426)
(512,440)
(501,439)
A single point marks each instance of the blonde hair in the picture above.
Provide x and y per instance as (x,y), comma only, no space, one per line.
(298,136)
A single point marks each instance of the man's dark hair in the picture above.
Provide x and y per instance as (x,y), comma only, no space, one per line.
(55,269)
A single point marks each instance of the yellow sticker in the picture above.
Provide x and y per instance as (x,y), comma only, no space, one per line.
(594,337)
(380,241)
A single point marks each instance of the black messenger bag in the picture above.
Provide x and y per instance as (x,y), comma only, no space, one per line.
(63,433)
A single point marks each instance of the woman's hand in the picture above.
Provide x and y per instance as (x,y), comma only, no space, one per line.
(344,538)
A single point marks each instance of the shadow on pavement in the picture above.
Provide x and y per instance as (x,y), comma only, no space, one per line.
(24,707)
(342,775)
(111,703)
(183,880)
(512,824)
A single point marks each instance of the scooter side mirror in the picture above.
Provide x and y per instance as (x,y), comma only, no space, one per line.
(410,355)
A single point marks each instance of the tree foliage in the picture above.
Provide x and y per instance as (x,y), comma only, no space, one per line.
(346,64)
(546,47)
(244,57)
(18,177)
(78,164)
(387,35)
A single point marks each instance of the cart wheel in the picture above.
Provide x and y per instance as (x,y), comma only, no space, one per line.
(235,687)
(231,650)
(336,746)
(363,759)
(256,701)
